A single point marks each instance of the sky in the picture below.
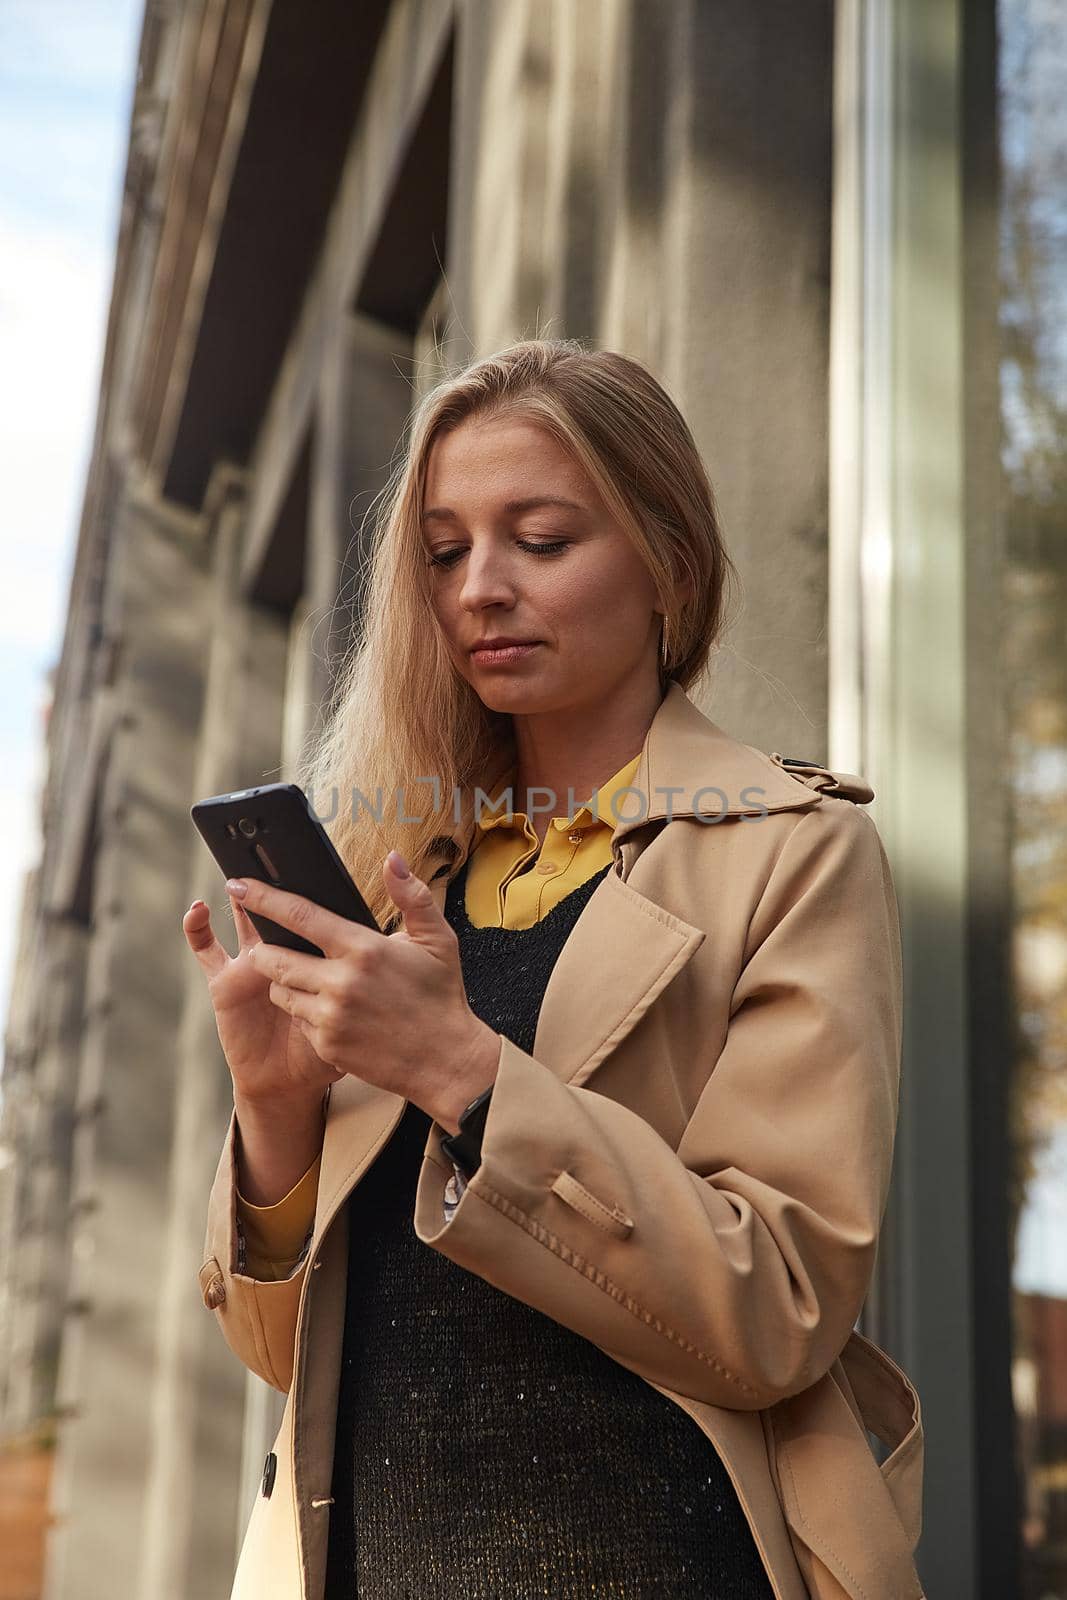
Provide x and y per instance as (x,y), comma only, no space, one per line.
(67,72)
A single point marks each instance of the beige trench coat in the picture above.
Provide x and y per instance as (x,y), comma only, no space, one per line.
(690,1169)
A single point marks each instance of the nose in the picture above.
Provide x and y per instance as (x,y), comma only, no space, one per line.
(487,579)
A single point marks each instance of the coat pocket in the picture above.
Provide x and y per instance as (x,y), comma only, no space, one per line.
(889,1405)
(854,1524)
(611,1218)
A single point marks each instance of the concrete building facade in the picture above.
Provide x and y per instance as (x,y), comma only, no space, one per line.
(788,211)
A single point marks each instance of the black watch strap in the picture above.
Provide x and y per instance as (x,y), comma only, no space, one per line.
(465,1147)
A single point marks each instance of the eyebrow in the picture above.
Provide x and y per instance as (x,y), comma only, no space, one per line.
(511,507)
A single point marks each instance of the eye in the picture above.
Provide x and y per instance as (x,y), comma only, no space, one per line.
(448,558)
(549,547)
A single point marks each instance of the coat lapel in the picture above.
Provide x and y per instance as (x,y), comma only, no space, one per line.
(361,1119)
(624,950)
(620,955)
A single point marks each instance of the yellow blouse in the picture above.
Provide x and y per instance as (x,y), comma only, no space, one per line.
(501,892)
(512,882)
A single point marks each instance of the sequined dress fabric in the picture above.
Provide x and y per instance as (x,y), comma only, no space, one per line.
(484,1451)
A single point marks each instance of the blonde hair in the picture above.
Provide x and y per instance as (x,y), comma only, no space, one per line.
(399,711)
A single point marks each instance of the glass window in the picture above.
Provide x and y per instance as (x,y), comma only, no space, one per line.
(1033,388)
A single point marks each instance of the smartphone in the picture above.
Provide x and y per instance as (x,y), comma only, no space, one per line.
(273,834)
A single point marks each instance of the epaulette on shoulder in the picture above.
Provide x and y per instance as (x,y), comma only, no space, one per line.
(828,781)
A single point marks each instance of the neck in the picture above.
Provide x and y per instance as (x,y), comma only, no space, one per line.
(581,747)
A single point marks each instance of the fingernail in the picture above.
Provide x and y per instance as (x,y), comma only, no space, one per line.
(398,864)
(195,904)
(237,887)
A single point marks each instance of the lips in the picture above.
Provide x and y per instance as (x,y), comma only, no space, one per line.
(501,644)
(503,655)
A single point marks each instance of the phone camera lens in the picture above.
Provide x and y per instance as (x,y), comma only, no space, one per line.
(247,826)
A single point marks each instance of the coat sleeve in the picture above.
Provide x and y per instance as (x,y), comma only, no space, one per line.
(258,1318)
(731,1269)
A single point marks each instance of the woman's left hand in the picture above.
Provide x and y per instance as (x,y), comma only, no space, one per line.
(390,1009)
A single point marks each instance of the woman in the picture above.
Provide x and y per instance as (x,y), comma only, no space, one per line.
(552,1212)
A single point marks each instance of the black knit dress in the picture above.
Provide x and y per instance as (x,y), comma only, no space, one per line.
(484,1451)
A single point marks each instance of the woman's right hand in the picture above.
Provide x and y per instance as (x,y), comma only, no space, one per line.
(270,1059)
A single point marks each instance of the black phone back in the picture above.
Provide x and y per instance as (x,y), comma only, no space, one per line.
(272,834)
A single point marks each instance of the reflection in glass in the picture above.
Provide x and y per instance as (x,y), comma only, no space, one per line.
(1033,393)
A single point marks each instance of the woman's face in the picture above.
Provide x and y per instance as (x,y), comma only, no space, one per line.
(506,562)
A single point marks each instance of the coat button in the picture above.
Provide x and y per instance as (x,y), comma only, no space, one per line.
(212,1284)
(270,1467)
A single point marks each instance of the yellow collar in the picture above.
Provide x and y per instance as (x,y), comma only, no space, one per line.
(689,766)
(596,810)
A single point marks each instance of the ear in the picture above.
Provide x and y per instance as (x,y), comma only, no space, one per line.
(683,591)
(684,587)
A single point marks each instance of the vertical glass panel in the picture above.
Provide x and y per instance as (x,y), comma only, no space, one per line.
(1033,388)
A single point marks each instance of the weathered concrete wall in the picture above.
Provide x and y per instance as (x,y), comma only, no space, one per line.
(657,179)
(134,993)
(45,1098)
(198,1396)
(365,393)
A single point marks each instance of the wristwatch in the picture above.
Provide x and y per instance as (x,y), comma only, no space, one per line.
(465,1147)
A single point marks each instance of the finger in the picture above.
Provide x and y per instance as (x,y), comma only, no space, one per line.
(303,1008)
(247,933)
(332,934)
(424,923)
(200,936)
(292,969)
